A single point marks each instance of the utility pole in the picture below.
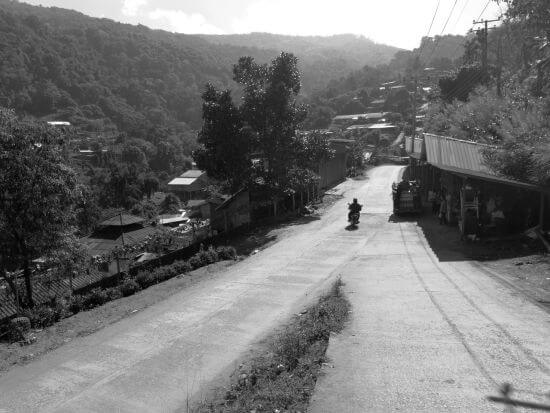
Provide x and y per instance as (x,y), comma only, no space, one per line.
(121,228)
(484,57)
(499,67)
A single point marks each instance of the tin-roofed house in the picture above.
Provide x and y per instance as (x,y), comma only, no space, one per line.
(189,185)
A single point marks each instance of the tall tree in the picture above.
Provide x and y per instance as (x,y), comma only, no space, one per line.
(37,194)
(226,144)
(270,109)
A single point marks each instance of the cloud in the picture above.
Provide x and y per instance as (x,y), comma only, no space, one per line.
(131,7)
(182,22)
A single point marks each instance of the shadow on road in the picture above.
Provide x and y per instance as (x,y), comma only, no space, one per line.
(352,227)
(445,241)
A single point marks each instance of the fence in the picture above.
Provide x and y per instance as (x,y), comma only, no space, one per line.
(46,286)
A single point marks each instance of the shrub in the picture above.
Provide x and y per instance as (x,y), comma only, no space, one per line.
(182,267)
(211,255)
(18,327)
(202,256)
(226,253)
(195,262)
(96,297)
(43,316)
(113,293)
(145,279)
(129,287)
(164,273)
(76,304)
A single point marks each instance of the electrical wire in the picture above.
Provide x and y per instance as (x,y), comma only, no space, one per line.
(460,15)
(429,29)
(442,31)
(483,11)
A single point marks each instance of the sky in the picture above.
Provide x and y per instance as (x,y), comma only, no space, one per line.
(400,23)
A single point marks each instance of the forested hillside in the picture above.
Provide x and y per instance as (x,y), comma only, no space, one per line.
(322,58)
(354,92)
(101,74)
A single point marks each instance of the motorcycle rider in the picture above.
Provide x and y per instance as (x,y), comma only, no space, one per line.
(354,207)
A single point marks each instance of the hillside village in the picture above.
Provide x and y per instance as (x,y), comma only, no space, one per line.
(179,229)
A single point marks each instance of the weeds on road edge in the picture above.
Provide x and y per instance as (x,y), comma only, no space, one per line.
(283,378)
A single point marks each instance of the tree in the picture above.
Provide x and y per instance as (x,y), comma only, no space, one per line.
(460,87)
(170,204)
(150,185)
(271,111)
(38,193)
(226,144)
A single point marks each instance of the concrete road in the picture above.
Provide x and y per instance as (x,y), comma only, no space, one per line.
(161,358)
(427,336)
(424,335)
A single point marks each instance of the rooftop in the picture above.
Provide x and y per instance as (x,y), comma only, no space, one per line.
(373,115)
(122,220)
(463,157)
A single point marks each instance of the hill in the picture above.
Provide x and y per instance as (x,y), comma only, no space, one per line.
(57,63)
(322,58)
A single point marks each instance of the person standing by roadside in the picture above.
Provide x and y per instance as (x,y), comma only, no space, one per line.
(443,211)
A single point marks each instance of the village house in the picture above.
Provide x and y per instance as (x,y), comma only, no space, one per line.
(478,201)
(190,185)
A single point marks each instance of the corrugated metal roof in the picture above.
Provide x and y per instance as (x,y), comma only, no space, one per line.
(463,157)
(192,173)
(123,220)
(373,115)
(182,181)
(99,246)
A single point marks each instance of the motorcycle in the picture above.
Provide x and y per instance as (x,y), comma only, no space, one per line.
(354,218)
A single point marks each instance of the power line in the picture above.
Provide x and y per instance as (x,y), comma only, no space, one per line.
(442,31)
(483,11)
(461,13)
(433,18)
(430,28)
(449,18)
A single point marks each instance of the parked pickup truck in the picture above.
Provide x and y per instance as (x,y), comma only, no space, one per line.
(406,198)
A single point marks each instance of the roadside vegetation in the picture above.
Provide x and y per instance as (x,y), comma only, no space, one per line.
(505,104)
(282,378)
(39,317)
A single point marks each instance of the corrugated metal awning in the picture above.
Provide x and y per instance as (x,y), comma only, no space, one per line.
(464,158)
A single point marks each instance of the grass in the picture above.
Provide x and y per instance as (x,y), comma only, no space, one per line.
(283,377)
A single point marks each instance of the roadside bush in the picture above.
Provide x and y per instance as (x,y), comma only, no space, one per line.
(182,267)
(96,297)
(164,273)
(18,327)
(129,287)
(145,279)
(211,255)
(226,253)
(203,258)
(76,303)
(113,293)
(42,316)
(195,262)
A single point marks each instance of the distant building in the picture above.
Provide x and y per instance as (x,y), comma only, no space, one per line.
(190,185)
(344,121)
(233,213)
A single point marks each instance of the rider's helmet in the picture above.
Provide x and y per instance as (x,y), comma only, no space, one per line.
(354,200)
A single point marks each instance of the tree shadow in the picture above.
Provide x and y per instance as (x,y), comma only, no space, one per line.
(250,240)
(448,244)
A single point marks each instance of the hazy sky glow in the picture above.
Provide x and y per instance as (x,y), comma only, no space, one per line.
(399,23)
